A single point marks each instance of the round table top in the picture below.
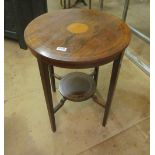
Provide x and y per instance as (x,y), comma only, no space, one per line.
(77,38)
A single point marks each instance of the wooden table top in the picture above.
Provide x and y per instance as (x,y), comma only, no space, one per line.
(77,38)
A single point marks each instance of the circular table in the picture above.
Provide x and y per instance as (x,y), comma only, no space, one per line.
(76,38)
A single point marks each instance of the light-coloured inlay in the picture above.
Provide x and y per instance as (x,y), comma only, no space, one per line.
(77,28)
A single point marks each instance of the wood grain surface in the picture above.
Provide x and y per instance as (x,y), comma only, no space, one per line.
(102,37)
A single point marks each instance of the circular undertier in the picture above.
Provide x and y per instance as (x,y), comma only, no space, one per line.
(77,86)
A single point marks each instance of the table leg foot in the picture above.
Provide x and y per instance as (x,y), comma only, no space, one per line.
(113,81)
(44,73)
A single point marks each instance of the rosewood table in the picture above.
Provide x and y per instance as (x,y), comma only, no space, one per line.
(76,38)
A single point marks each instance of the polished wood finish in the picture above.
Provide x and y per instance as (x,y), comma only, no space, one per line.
(44,73)
(52,76)
(76,38)
(105,39)
(113,81)
(77,86)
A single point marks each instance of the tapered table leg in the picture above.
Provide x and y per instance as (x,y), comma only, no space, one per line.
(44,73)
(113,81)
(51,70)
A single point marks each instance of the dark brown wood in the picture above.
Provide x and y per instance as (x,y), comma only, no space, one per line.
(77,86)
(52,76)
(44,73)
(82,38)
(59,105)
(91,38)
(113,81)
(96,71)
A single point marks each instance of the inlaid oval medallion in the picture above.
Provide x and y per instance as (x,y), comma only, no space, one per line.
(77,28)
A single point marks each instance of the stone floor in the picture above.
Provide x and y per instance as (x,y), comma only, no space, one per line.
(79,129)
